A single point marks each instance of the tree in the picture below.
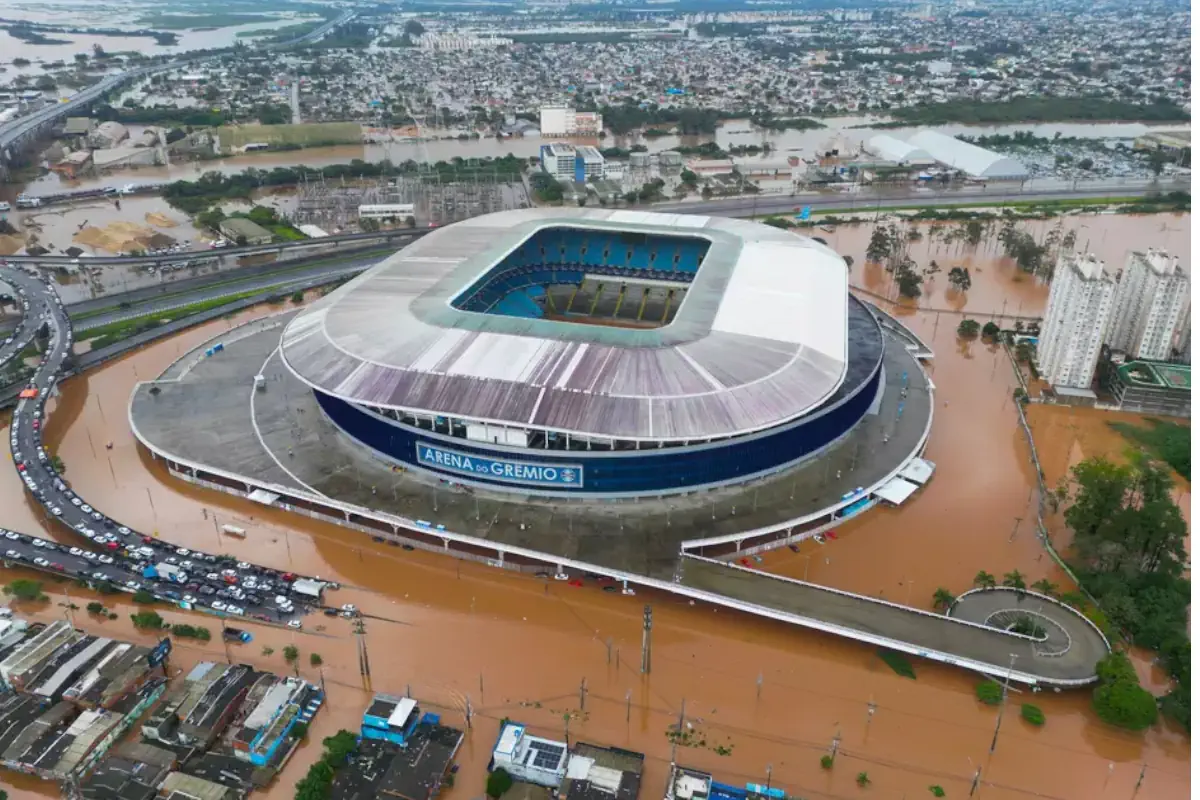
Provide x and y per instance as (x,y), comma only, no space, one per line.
(315,659)
(1086,163)
(95,607)
(25,589)
(689,178)
(148,619)
(339,747)
(849,261)
(142,597)
(862,779)
(498,782)
(1032,714)
(1044,586)
(959,278)
(414,28)
(1014,580)
(989,693)
(880,246)
(57,464)
(298,297)
(984,580)
(299,730)
(968,329)
(267,651)
(974,232)
(45,83)
(291,653)
(1125,704)
(943,600)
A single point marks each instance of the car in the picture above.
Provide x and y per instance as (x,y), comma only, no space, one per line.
(85,508)
(100,576)
(124,531)
(112,545)
(350,607)
(294,624)
(238,610)
(75,551)
(57,566)
(219,605)
(280,600)
(37,424)
(212,576)
(132,585)
(207,591)
(75,501)
(89,555)
(12,535)
(39,543)
(56,511)
(183,551)
(21,467)
(12,554)
(97,515)
(107,559)
(41,562)
(193,586)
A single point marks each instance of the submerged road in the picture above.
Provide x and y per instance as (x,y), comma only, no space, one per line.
(109,551)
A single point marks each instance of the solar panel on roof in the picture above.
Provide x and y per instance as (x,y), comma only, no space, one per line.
(547,755)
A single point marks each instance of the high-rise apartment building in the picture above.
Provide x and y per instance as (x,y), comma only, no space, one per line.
(1151,302)
(566,121)
(1081,303)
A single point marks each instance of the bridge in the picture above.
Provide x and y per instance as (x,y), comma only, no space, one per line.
(21,130)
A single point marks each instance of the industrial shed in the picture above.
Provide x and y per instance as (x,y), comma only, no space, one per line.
(968,158)
(889,148)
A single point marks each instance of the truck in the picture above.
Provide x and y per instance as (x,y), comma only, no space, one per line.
(234,530)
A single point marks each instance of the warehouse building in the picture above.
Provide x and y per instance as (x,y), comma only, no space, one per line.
(889,148)
(971,160)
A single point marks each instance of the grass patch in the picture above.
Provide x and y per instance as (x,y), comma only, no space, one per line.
(182,22)
(1083,202)
(899,664)
(104,335)
(1169,441)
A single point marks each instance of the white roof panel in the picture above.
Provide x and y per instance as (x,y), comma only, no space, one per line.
(896,491)
(969,158)
(760,340)
(919,471)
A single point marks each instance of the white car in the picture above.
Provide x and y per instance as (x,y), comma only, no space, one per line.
(238,610)
(219,605)
(75,501)
(75,551)
(12,554)
(106,559)
(56,511)
(38,543)
(85,508)
(350,607)
(123,531)
(294,624)
(11,535)
(41,562)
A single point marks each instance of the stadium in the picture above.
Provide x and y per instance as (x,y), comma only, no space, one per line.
(594,353)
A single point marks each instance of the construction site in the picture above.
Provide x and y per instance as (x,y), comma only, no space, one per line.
(430,198)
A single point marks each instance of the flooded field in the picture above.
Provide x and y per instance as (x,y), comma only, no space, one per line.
(520,647)
(104,227)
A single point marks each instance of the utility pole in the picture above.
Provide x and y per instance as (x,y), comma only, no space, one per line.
(647,624)
(1141,777)
(1012,658)
(582,693)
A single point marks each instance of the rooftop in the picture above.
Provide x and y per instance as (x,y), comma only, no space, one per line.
(761,340)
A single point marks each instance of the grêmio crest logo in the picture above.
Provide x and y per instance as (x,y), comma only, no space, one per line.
(526,473)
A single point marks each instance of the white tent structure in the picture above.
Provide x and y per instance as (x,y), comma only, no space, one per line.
(968,158)
(889,148)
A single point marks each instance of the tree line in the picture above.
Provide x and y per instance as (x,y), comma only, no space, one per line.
(1038,109)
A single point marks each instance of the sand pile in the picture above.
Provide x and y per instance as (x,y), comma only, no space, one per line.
(10,244)
(116,237)
(160,220)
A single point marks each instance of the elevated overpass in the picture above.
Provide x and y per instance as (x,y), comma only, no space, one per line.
(23,129)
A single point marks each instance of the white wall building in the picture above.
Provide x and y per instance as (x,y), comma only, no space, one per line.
(567,162)
(1081,303)
(1150,304)
(566,121)
(530,758)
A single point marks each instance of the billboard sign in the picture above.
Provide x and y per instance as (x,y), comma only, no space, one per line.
(522,473)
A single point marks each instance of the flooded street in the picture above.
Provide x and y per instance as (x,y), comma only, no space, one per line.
(520,647)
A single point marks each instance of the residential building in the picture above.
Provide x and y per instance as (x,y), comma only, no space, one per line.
(566,121)
(530,758)
(391,719)
(567,162)
(1150,303)
(1081,303)
(108,134)
(272,708)
(602,773)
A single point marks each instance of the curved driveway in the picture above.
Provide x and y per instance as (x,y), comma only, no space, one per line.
(108,550)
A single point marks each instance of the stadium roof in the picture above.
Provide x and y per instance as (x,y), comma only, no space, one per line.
(761,338)
(966,157)
(892,149)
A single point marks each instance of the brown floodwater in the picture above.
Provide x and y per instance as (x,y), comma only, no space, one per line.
(520,648)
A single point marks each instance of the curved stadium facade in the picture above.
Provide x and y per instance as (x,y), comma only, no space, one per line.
(594,353)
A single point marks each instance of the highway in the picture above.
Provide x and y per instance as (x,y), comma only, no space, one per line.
(12,131)
(119,554)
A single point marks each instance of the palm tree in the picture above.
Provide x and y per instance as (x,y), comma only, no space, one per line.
(942,600)
(1014,580)
(1046,587)
(985,580)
